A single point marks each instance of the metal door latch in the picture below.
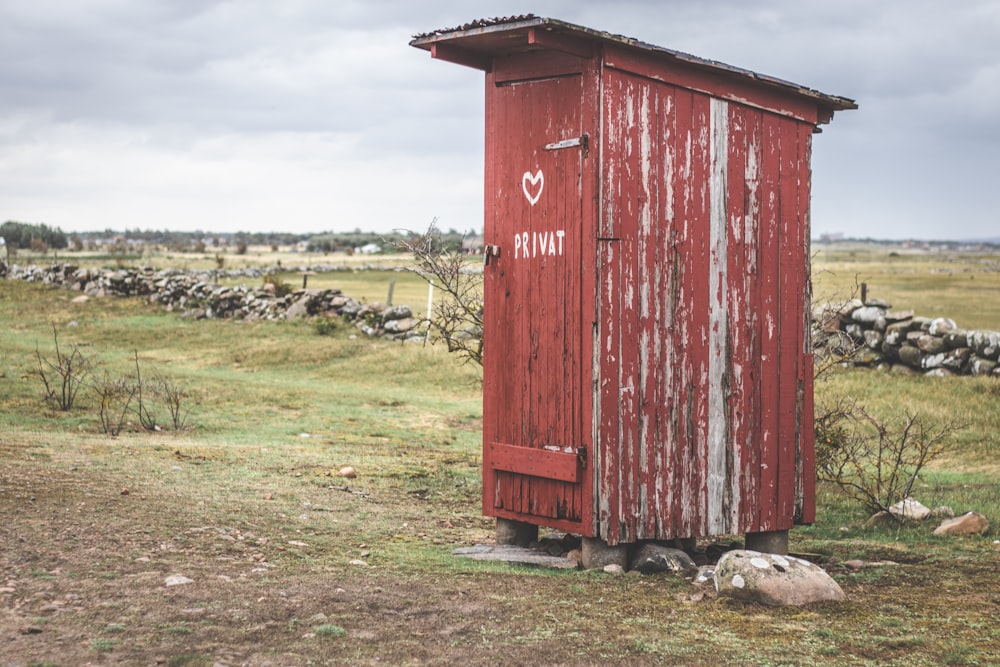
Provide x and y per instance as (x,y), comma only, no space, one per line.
(490,251)
(583,141)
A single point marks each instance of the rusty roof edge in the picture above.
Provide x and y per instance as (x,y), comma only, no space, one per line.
(479,27)
(504,24)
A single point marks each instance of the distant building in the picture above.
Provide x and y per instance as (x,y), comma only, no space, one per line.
(472,245)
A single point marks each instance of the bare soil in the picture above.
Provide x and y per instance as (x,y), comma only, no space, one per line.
(89,539)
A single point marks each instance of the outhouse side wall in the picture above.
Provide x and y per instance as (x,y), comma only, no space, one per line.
(704,391)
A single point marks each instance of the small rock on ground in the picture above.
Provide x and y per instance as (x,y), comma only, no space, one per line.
(968,524)
(653,558)
(908,508)
(177,580)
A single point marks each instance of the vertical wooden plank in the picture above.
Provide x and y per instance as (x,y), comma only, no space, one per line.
(739,277)
(610,357)
(630,189)
(554,112)
(718,435)
(491,280)
(769,249)
(590,195)
(790,310)
(665,307)
(690,282)
(609,346)
(648,334)
(747,332)
(502,391)
(681,408)
(805,474)
(699,288)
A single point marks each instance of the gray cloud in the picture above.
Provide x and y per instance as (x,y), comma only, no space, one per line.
(200,113)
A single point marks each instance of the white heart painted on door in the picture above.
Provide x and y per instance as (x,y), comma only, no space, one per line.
(529,183)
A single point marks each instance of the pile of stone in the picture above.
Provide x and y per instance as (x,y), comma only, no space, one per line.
(869,333)
(196,295)
(912,510)
(121,282)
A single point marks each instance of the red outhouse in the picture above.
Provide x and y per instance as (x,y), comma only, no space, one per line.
(647,369)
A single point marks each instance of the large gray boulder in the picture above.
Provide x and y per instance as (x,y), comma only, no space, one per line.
(399,325)
(774,580)
(396,313)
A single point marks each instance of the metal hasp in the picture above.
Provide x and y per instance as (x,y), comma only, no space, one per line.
(647,372)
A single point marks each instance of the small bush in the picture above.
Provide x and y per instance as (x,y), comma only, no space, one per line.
(154,392)
(115,396)
(876,462)
(63,376)
(327,326)
(173,395)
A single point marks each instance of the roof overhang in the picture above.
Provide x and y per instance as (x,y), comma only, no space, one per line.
(478,43)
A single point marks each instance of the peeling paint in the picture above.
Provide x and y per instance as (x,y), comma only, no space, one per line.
(687,350)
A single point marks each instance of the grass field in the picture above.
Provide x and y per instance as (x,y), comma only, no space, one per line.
(963,287)
(293,565)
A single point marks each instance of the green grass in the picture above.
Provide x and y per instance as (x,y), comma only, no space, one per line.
(103,645)
(965,401)
(328,630)
(962,287)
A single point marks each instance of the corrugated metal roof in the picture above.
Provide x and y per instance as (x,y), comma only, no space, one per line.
(499,25)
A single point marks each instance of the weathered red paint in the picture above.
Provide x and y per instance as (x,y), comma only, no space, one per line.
(647,371)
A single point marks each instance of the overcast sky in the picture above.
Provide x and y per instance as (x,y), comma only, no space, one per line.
(314,115)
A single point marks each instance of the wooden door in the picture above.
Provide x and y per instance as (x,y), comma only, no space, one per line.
(536,427)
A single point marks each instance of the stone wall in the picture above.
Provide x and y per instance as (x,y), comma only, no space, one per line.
(869,333)
(863,333)
(196,295)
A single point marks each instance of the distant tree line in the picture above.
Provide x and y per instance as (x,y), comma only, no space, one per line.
(450,241)
(25,236)
(40,237)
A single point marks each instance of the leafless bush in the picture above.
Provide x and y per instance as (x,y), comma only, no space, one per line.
(875,461)
(145,390)
(173,396)
(155,391)
(457,318)
(115,395)
(63,376)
